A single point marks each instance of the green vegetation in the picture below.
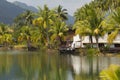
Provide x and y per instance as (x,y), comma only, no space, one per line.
(48,26)
(98,18)
(92,52)
(112,73)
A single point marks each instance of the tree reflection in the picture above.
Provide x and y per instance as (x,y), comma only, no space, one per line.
(6,62)
(41,67)
(84,67)
(45,66)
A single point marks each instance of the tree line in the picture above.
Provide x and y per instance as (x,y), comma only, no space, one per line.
(98,18)
(48,27)
(45,28)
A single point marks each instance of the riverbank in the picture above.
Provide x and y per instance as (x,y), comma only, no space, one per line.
(80,51)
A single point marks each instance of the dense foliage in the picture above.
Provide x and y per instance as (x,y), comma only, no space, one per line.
(112,73)
(48,26)
(98,18)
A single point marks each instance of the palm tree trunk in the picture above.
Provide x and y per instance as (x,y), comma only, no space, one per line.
(5,44)
(96,37)
(28,44)
(91,40)
(60,40)
(48,39)
(97,44)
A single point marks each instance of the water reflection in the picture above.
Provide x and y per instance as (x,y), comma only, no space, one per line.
(88,67)
(44,66)
(76,64)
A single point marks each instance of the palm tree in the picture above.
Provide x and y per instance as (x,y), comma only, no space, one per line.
(82,28)
(5,35)
(25,18)
(58,30)
(25,36)
(89,22)
(83,14)
(80,14)
(106,5)
(62,14)
(114,25)
(44,22)
(41,30)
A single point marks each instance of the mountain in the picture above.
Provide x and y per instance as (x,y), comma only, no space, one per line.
(8,11)
(70,20)
(24,6)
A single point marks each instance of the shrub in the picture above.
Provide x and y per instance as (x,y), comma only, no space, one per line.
(112,73)
(92,51)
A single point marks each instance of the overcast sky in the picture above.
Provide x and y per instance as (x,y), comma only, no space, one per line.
(70,5)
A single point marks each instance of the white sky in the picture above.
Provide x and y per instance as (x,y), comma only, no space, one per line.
(70,5)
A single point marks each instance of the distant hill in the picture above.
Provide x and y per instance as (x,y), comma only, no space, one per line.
(24,6)
(70,20)
(8,11)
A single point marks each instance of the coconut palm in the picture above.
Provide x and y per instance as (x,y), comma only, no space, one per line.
(82,28)
(42,30)
(25,18)
(38,38)
(80,14)
(62,14)
(25,36)
(5,35)
(89,22)
(44,22)
(106,5)
(58,30)
(114,25)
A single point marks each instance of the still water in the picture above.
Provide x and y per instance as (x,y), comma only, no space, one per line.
(23,65)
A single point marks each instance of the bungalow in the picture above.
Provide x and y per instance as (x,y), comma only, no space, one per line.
(82,42)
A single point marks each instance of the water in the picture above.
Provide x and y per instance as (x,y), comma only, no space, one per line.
(23,65)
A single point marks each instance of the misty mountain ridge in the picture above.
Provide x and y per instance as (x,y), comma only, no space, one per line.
(70,20)
(8,11)
(25,6)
